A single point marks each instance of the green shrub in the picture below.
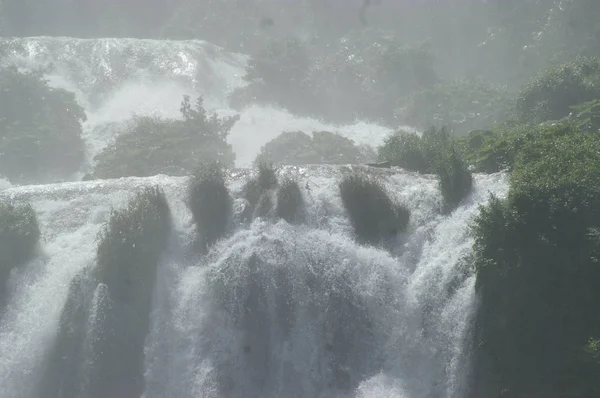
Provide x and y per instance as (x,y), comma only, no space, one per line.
(264,181)
(586,116)
(129,253)
(289,201)
(536,256)
(405,149)
(373,214)
(462,105)
(153,146)
(490,151)
(40,128)
(455,181)
(432,152)
(19,237)
(550,94)
(323,147)
(497,149)
(209,201)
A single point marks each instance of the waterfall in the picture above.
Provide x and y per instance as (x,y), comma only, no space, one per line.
(273,309)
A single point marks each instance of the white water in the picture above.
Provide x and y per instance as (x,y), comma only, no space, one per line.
(418,327)
(115,78)
(418,298)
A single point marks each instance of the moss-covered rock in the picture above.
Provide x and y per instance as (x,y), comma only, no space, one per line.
(19,237)
(210,202)
(373,214)
(151,146)
(536,257)
(40,129)
(324,147)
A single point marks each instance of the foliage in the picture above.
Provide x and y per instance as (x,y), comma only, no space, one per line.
(298,148)
(257,189)
(130,244)
(153,146)
(497,149)
(277,75)
(551,93)
(358,76)
(536,256)
(362,75)
(40,128)
(462,105)
(406,150)
(374,215)
(209,201)
(289,201)
(432,152)
(490,151)
(587,115)
(19,236)
(129,252)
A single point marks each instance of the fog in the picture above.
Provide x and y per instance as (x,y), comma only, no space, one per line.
(299,198)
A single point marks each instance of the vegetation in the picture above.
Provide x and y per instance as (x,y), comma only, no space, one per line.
(129,253)
(541,244)
(275,73)
(153,146)
(258,188)
(298,148)
(40,128)
(289,201)
(550,95)
(461,105)
(360,76)
(433,152)
(19,236)
(210,202)
(374,215)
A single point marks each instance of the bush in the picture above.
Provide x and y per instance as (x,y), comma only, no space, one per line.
(373,214)
(550,94)
(406,150)
(261,184)
(289,201)
(40,128)
(433,152)
(153,146)
(323,147)
(455,179)
(19,236)
(210,202)
(462,105)
(536,256)
(129,253)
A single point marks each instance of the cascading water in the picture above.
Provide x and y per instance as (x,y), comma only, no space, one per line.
(273,310)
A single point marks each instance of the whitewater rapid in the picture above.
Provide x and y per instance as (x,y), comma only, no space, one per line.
(419,297)
(395,321)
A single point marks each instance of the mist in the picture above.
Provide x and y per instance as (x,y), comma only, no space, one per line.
(299,198)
